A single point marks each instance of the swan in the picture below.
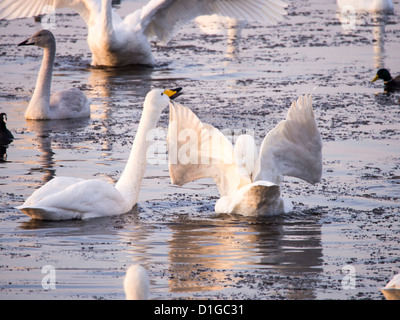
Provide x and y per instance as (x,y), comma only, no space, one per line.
(114,41)
(136,283)
(367,5)
(392,290)
(248,183)
(390,84)
(65,104)
(64,198)
(5,135)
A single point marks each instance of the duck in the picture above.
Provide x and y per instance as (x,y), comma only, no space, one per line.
(390,84)
(5,135)
(114,41)
(249,182)
(392,289)
(68,198)
(65,104)
(367,5)
(136,283)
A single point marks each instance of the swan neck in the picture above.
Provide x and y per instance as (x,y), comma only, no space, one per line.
(131,179)
(41,94)
(106,16)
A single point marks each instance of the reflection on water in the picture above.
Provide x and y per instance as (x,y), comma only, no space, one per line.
(45,133)
(216,246)
(209,255)
(376,21)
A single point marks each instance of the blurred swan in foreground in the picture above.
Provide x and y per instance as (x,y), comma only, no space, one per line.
(114,41)
(367,5)
(136,283)
(65,198)
(65,104)
(392,290)
(248,184)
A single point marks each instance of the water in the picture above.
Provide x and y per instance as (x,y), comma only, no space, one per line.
(350,218)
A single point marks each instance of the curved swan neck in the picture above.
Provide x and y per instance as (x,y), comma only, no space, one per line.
(40,102)
(131,179)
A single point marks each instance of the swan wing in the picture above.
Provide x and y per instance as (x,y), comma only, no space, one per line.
(198,150)
(293,147)
(13,9)
(161,18)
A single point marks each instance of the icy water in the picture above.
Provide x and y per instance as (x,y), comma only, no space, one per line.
(244,78)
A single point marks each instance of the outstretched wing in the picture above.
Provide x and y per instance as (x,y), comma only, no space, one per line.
(198,150)
(161,18)
(293,147)
(13,9)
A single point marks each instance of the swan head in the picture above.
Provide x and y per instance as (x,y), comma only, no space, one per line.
(136,283)
(42,38)
(158,99)
(383,74)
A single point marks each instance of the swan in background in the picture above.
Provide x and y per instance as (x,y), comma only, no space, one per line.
(114,41)
(248,184)
(64,198)
(136,283)
(5,135)
(392,290)
(65,104)
(367,5)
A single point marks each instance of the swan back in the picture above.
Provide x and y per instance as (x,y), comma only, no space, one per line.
(136,283)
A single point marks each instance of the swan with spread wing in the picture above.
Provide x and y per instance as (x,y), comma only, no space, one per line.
(114,41)
(249,184)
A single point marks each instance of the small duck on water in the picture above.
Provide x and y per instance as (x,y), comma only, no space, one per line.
(391,84)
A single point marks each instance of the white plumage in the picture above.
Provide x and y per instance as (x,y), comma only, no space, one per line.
(392,289)
(65,104)
(367,5)
(136,283)
(248,185)
(114,41)
(64,198)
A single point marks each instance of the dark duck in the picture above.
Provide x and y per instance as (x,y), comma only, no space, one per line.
(390,84)
(5,135)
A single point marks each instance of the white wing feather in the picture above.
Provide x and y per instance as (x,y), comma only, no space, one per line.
(198,150)
(162,18)
(13,9)
(293,147)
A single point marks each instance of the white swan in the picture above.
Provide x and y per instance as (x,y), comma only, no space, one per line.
(65,198)
(136,283)
(367,5)
(392,290)
(248,184)
(65,104)
(114,41)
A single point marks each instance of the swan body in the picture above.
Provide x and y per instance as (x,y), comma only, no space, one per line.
(65,104)
(114,41)
(392,290)
(367,5)
(65,198)
(5,135)
(136,283)
(248,184)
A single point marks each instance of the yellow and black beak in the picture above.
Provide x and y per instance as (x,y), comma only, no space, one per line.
(374,79)
(173,93)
